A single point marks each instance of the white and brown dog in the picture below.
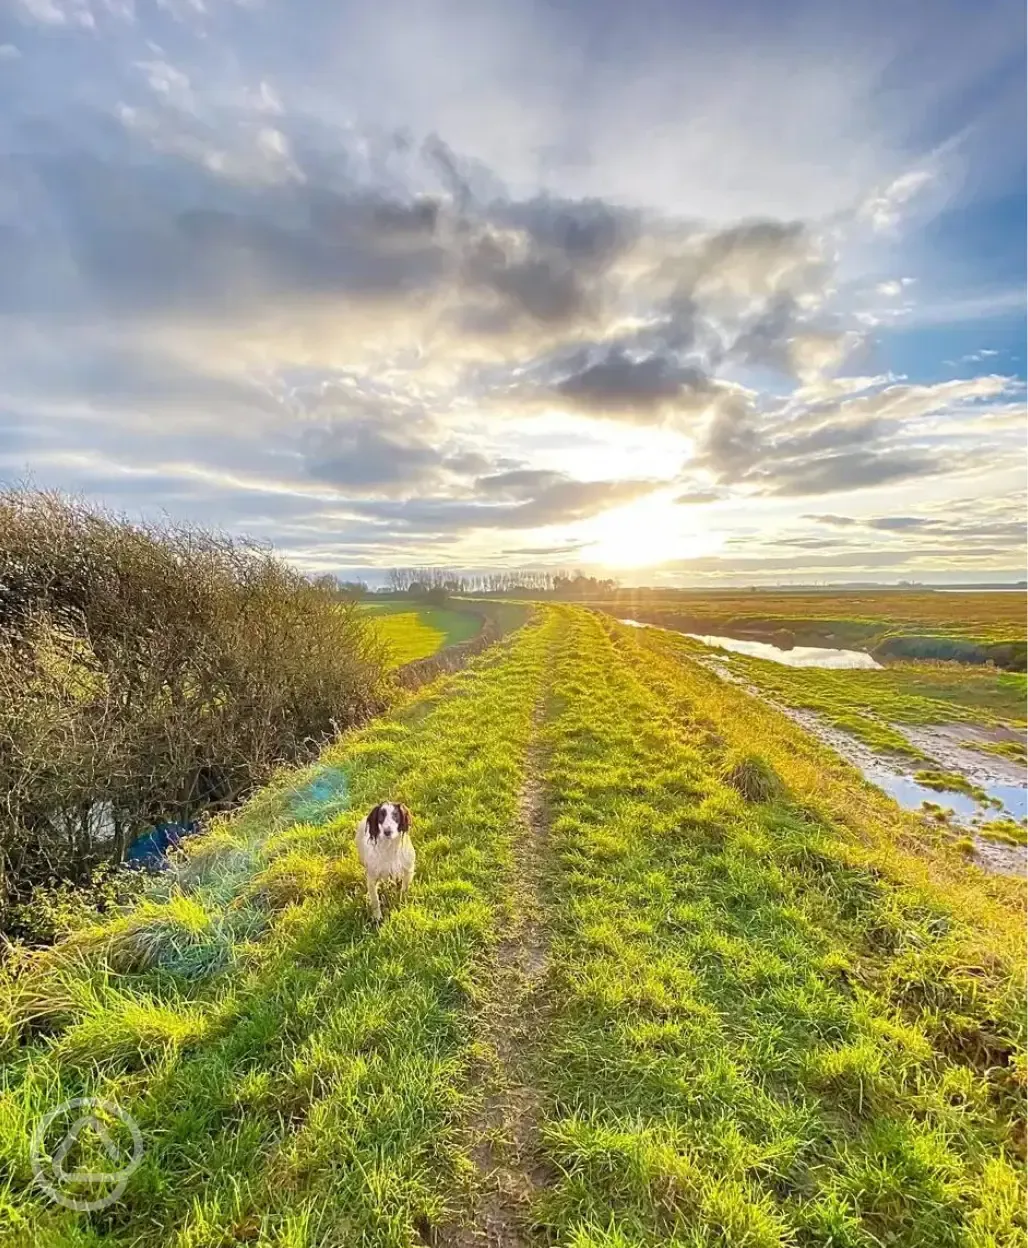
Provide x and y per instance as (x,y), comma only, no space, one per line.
(385,850)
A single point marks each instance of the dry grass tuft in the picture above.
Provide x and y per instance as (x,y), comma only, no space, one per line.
(752,777)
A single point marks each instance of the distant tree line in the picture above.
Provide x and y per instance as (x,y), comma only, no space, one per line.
(153,673)
(561,584)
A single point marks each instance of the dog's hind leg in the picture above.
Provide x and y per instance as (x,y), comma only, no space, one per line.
(405,881)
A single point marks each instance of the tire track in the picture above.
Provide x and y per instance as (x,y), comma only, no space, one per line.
(505,1129)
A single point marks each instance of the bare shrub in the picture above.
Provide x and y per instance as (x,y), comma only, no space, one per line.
(153,673)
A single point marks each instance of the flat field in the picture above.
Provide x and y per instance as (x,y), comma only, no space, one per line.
(670,974)
(415,632)
(894,624)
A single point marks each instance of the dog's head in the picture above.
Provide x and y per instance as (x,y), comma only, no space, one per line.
(388,819)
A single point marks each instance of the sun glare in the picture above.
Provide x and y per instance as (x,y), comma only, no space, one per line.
(647,532)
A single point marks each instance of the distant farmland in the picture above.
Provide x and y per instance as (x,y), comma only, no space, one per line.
(412,632)
(972,627)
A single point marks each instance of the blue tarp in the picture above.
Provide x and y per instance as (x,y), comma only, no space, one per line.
(149,852)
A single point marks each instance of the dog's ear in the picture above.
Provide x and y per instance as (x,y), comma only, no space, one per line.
(373,828)
(404,819)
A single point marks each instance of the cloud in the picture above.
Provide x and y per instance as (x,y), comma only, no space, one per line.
(324,278)
(617,383)
(971,527)
(519,483)
(57,12)
(869,437)
(886,207)
(357,457)
(854,470)
(568,548)
(557,499)
(696,498)
(842,522)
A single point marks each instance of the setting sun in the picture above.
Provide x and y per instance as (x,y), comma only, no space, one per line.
(647,532)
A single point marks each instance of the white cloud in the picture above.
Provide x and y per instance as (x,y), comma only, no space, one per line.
(886,207)
(57,12)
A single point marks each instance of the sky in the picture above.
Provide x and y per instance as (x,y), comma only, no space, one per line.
(687,293)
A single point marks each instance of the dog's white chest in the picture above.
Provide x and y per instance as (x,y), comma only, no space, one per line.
(384,857)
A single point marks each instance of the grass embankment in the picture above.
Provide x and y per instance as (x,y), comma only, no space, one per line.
(973,627)
(779,1023)
(297,1076)
(868,703)
(417,632)
(773,1028)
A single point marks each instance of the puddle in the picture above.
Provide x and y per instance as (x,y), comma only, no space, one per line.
(968,814)
(950,746)
(794,656)
(907,791)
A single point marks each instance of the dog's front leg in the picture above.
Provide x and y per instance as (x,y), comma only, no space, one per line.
(373,902)
(405,881)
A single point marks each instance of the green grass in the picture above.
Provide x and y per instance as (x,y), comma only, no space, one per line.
(1007,830)
(415,633)
(1015,750)
(775,1012)
(949,782)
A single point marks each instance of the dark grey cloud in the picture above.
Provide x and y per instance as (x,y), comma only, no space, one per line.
(971,527)
(589,232)
(829,436)
(765,342)
(356,456)
(507,281)
(473,463)
(899,524)
(617,381)
(732,442)
(853,470)
(870,558)
(841,522)
(827,449)
(518,483)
